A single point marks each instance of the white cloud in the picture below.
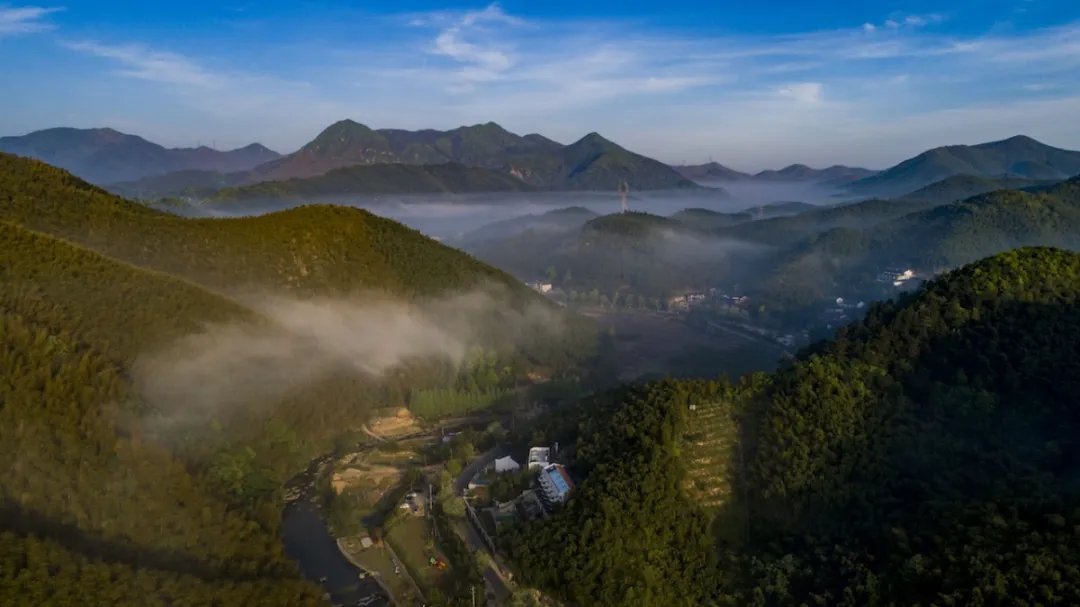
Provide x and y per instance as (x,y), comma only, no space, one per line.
(869,28)
(16,20)
(146,64)
(804,92)
(482,61)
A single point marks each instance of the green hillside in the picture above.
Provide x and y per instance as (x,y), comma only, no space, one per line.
(938,238)
(448,178)
(111,495)
(310,250)
(90,509)
(924,457)
(552,222)
(1016,157)
(959,187)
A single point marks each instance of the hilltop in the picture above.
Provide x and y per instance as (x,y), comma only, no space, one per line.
(869,470)
(105,155)
(1016,157)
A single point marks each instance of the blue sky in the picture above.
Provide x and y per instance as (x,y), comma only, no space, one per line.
(751,85)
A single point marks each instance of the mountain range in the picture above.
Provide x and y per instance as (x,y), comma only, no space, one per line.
(1016,157)
(795,173)
(133,166)
(104,156)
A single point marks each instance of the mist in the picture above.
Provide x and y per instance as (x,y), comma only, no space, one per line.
(296,342)
(451,216)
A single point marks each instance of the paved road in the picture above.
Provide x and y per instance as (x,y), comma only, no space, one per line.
(478,464)
(496,585)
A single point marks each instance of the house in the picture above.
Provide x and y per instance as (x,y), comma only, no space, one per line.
(506,464)
(555,484)
(539,457)
(540,287)
(896,276)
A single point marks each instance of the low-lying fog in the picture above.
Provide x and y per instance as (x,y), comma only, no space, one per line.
(448,216)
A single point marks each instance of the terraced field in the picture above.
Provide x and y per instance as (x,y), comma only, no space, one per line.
(713,461)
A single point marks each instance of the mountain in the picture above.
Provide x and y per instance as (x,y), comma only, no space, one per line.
(924,456)
(930,240)
(190,183)
(553,222)
(796,173)
(623,254)
(959,187)
(1016,157)
(706,219)
(139,483)
(836,174)
(105,155)
(593,163)
(448,178)
(348,143)
(710,171)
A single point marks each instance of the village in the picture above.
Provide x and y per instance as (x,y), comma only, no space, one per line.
(417,507)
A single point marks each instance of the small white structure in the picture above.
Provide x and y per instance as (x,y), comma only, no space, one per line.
(896,276)
(506,464)
(540,287)
(539,457)
(555,484)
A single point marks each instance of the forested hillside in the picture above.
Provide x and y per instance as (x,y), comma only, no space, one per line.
(113,494)
(91,511)
(310,250)
(937,238)
(925,456)
(447,178)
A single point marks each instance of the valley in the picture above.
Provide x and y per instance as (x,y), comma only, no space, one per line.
(484,324)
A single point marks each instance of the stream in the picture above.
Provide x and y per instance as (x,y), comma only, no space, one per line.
(309,542)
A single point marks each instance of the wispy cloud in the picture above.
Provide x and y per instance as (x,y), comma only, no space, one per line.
(16,20)
(482,60)
(803,92)
(143,63)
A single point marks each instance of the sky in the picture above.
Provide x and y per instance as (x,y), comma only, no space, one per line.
(751,85)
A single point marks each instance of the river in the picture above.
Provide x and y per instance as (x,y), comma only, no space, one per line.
(309,542)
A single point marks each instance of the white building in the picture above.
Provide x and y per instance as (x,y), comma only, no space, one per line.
(506,464)
(896,276)
(540,287)
(539,457)
(555,484)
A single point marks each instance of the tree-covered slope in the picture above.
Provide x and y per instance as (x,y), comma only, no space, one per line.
(309,250)
(447,178)
(926,456)
(938,238)
(1018,156)
(90,509)
(959,187)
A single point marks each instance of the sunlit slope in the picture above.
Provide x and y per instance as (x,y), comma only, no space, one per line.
(86,501)
(309,250)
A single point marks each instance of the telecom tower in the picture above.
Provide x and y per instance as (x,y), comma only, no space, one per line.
(624,196)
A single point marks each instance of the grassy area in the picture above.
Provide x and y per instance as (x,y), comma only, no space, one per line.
(411,538)
(376,560)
